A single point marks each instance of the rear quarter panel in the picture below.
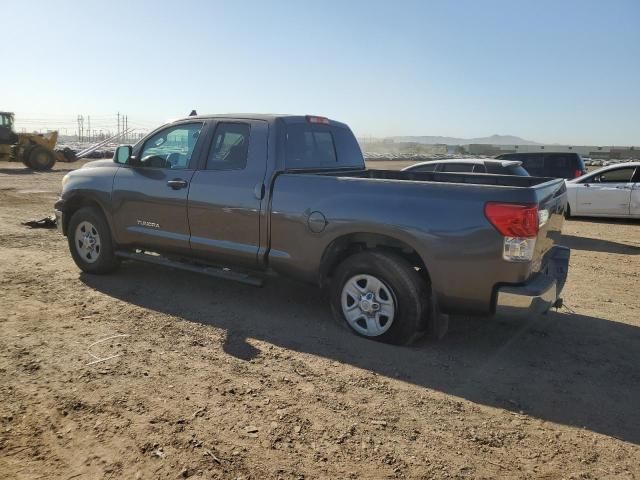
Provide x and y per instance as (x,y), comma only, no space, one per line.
(443,222)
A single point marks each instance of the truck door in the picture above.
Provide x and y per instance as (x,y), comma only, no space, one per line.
(227,192)
(149,196)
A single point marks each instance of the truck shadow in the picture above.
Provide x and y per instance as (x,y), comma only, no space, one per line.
(598,245)
(567,368)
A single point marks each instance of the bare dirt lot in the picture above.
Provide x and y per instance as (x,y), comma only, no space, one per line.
(214,379)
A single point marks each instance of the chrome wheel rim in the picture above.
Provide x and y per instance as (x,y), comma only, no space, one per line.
(368,305)
(87,241)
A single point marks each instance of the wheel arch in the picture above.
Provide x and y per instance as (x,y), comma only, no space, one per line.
(348,244)
(75,203)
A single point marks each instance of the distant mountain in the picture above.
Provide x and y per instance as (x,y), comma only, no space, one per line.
(492,140)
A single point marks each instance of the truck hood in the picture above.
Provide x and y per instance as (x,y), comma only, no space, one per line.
(106,162)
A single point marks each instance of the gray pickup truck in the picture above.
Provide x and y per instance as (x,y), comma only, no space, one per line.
(249,196)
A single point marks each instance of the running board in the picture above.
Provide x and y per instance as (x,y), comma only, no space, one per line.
(216,272)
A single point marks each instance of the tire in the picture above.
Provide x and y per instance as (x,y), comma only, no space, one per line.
(567,213)
(25,156)
(41,158)
(402,296)
(90,242)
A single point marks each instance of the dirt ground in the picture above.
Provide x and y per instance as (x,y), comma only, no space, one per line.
(213,379)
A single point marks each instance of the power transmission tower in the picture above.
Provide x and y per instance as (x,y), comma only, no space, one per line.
(80,127)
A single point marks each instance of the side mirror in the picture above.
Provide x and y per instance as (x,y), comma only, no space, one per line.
(122,154)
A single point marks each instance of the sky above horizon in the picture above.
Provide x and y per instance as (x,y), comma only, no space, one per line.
(563,72)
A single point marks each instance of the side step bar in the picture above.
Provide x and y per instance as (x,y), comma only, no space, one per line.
(216,272)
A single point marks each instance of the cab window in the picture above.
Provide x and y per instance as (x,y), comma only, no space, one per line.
(310,147)
(457,167)
(230,147)
(5,121)
(171,148)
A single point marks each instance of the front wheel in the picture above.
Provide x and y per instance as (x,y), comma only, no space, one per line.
(90,242)
(379,295)
(41,158)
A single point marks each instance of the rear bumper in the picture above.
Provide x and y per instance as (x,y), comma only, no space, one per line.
(541,292)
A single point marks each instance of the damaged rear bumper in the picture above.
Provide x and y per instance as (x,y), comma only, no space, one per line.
(541,292)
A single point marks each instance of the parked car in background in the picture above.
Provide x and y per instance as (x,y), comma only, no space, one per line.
(549,164)
(470,165)
(612,191)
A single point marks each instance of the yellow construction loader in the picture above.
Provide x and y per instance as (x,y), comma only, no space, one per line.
(35,150)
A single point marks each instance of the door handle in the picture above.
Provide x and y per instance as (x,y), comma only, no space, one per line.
(177,183)
(619,187)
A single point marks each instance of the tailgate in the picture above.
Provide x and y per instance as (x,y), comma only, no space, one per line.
(552,204)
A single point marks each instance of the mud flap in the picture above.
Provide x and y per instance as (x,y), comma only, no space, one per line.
(438,322)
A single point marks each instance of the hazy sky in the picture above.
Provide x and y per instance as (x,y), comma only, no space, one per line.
(550,71)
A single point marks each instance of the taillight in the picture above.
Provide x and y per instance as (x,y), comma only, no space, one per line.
(577,173)
(513,219)
(316,119)
(519,225)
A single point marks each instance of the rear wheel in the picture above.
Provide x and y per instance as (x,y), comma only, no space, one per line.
(379,295)
(41,158)
(90,242)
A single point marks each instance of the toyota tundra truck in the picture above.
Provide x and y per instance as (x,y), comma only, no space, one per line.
(246,197)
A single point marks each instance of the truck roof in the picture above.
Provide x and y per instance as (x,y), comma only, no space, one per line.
(267,117)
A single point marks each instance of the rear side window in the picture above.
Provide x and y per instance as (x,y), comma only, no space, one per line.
(457,167)
(315,146)
(230,147)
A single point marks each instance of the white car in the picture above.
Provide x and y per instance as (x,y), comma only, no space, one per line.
(612,191)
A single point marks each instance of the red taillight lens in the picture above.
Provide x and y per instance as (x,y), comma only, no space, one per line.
(577,173)
(513,219)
